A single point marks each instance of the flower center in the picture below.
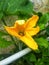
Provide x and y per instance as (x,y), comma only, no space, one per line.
(20,27)
(21,33)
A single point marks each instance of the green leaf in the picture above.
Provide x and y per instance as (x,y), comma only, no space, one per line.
(3,42)
(45,58)
(19,6)
(46,63)
(1,15)
(1,4)
(3,33)
(39,14)
(27,9)
(42,42)
(13,7)
(39,62)
(47,29)
(43,20)
(45,52)
(30,57)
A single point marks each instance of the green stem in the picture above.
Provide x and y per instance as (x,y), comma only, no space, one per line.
(9,35)
(19,45)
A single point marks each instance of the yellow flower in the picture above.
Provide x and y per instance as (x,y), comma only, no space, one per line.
(24,30)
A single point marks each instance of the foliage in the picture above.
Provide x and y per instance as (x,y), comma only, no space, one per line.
(42,42)
(3,41)
(43,21)
(47,29)
(11,7)
(24,9)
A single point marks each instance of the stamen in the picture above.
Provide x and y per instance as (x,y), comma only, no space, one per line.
(20,22)
(21,33)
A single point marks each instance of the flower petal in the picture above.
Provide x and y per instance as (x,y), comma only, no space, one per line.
(31,22)
(33,31)
(29,41)
(12,31)
(26,38)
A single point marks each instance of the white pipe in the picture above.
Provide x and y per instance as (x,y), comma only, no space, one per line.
(15,56)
